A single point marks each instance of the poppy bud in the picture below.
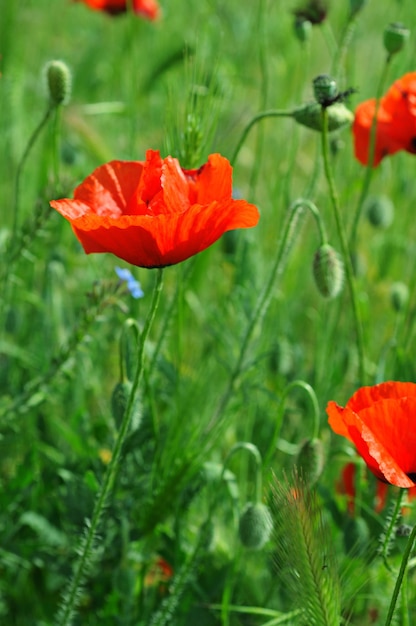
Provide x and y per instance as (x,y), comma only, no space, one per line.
(310,460)
(399,296)
(310,115)
(281,357)
(380,211)
(395,36)
(328,271)
(255,526)
(58,79)
(356,535)
(303,29)
(119,401)
(324,88)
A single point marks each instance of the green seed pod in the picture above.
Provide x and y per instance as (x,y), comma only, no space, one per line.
(395,36)
(255,526)
(328,270)
(58,79)
(356,535)
(324,88)
(281,358)
(302,29)
(119,401)
(399,296)
(380,211)
(310,461)
(310,115)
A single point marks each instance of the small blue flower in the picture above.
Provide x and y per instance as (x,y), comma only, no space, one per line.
(133,285)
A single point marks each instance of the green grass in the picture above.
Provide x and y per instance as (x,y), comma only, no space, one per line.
(62,314)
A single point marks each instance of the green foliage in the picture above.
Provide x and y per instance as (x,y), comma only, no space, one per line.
(236,327)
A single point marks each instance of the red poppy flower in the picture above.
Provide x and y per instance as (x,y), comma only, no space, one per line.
(147,8)
(396,122)
(381,422)
(154,213)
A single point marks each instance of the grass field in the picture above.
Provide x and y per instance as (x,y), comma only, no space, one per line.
(169,461)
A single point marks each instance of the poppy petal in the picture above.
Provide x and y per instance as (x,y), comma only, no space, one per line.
(366,396)
(380,433)
(108,190)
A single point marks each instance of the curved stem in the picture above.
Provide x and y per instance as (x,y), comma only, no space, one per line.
(30,144)
(265,296)
(280,412)
(257,118)
(344,245)
(371,153)
(253,450)
(400,577)
(68,608)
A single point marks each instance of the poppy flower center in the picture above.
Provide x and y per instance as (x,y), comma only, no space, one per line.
(412,147)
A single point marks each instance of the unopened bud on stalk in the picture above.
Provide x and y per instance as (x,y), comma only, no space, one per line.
(328,270)
(399,296)
(395,36)
(303,29)
(310,115)
(310,461)
(255,525)
(58,79)
(325,89)
(380,211)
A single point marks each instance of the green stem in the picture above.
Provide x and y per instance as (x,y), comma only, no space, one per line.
(343,47)
(30,144)
(344,244)
(261,37)
(265,297)
(371,153)
(253,450)
(400,577)
(390,529)
(71,597)
(257,118)
(280,412)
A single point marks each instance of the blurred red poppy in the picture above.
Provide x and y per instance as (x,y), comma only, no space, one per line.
(396,122)
(381,422)
(147,8)
(154,213)
(347,486)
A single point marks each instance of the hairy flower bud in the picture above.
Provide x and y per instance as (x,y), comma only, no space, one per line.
(310,115)
(380,211)
(324,88)
(395,36)
(399,296)
(328,271)
(303,29)
(255,525)
(310,460)
(58,79)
